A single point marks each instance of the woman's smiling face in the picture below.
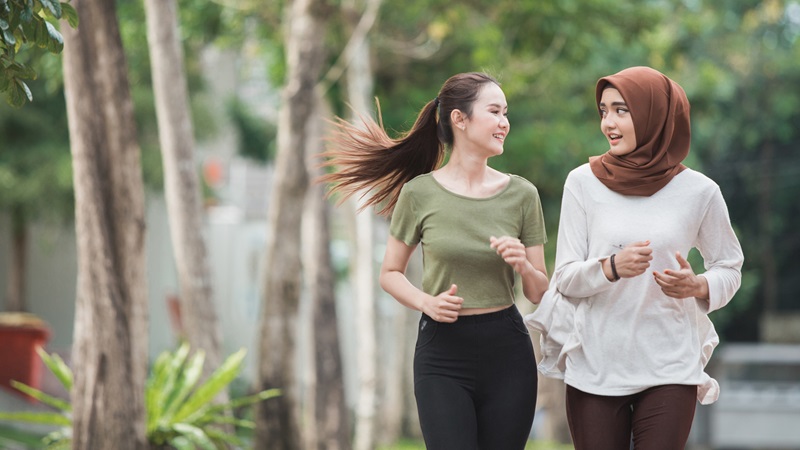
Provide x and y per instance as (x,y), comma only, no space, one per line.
(616,122)
(488,125)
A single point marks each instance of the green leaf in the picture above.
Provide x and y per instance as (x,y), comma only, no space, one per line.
(8,36)
(196,435)
(43,418)
(29,438)
(26,14)
(189,377)
(58,367)
(181,443)
(167,377)
(49,400)
(219,380)
(248,400)
(56,41)
(223,437)
(39,35)
(221,419)
(18,93)
(59,439)
(53,6)
(154,395)
(70,14)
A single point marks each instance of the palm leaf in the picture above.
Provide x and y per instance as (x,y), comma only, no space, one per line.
(218,380)
(190,375)
(58,367)
(196,435)
(248,400)
(49,400)
(44,418)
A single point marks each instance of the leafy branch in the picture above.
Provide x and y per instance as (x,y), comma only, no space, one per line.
(28,22)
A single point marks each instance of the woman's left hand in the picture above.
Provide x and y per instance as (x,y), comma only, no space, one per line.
(682,283)
(513,252)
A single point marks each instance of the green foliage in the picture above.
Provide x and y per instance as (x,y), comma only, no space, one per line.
(180,412)
(256,136)
(60,418)
(28,22)
(35,161)
(739,66)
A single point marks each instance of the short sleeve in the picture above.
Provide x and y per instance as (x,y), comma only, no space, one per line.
(533,229)
(405,225)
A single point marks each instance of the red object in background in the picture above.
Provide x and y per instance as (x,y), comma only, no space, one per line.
(213,172)
(20,335)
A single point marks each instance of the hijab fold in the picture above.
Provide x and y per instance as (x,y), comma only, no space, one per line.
(660,113)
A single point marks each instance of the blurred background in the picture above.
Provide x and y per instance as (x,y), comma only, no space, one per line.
(738,61)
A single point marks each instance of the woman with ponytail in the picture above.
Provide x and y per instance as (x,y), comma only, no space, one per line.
(474,368)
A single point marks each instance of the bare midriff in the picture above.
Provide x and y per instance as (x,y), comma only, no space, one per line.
(475,311)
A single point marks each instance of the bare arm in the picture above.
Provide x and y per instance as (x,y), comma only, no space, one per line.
(441,308)
(528,262)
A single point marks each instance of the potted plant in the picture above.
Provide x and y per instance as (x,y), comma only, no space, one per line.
(21,334)
(180,414)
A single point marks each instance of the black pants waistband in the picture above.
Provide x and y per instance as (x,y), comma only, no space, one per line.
(487,317)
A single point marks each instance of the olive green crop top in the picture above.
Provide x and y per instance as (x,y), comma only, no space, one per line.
(454,231)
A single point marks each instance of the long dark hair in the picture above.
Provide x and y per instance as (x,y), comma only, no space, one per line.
(368,160)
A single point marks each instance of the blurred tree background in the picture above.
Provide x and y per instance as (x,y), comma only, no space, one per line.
(738,60)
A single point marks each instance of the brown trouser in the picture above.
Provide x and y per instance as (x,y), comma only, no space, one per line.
(659,418)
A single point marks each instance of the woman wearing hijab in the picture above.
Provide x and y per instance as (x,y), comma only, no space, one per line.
(631,332)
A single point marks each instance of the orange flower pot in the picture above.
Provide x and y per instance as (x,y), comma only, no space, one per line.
(20,335)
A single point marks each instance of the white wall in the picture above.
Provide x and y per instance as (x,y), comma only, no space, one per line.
(235,250)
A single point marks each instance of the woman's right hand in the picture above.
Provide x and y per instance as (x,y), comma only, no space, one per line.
(443,307)
(633,260)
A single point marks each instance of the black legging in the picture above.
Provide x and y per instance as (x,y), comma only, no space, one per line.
(660,418)
(475,382)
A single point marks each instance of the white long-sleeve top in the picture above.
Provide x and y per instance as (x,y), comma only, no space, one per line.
(628,335)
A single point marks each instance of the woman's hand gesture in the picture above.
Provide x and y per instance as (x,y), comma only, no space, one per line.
(682,283)
(445,306)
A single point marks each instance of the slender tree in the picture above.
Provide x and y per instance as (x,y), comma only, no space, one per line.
(277,421)
(330,426)
(110,341)
(181,181)
(359,82)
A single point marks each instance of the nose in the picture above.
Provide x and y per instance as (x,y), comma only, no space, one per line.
(504,123)
(607,122)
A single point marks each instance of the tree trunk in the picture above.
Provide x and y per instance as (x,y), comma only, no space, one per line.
(15,290)
(362,279)
(181,183)
(331,423)
(277,420)
(110,341)
(359,95)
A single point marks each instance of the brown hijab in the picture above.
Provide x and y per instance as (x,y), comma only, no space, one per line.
(660,112)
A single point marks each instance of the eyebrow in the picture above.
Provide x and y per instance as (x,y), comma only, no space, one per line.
(615,104)
(496,105)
